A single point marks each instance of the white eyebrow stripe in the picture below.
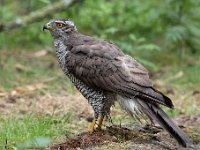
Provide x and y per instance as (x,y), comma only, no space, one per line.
(60,22)
(69,23)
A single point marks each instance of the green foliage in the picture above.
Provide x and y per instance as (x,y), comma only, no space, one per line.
(166,23)
(135,26)
(182,25)
(138,27)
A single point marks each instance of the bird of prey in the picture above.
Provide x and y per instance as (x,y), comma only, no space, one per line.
(104,74)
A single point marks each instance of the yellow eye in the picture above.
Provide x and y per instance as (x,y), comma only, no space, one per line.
(59,25)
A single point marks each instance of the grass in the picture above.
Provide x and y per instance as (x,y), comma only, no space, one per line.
(21,130)
(22,68)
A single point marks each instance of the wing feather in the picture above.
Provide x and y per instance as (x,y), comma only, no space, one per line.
(104,66)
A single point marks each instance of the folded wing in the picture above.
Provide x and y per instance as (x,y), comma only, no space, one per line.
(102,65)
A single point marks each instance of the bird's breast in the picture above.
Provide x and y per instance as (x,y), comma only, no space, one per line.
(61,52)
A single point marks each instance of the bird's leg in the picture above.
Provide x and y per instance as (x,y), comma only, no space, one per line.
(101,121)
(91,127)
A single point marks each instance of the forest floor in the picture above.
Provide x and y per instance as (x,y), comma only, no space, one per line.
(40,109)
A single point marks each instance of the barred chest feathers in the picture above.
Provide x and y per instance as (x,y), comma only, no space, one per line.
(61,52)
(94,97)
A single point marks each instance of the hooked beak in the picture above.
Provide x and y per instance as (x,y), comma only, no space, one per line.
(47,26)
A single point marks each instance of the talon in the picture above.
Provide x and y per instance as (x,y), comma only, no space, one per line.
(101,121)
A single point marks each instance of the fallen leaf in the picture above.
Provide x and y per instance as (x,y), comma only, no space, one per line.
(27,88)
(3,94)
(20,68)
(22,90)
(170,90)
(175,77)
(41,53)
(196,93)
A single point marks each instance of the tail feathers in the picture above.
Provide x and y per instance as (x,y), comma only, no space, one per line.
(167,100)
(156,113)
(154,96)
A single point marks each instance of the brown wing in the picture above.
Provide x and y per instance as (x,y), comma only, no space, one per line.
(102,65)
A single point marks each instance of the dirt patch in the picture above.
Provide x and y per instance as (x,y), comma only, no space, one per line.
(84,140)
(111,134)
(135,137)
(45,105)
(188,120)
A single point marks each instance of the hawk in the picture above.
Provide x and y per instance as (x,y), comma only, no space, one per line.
(104,74)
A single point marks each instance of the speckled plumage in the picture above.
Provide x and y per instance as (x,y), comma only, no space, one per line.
(98,99)
(104,74)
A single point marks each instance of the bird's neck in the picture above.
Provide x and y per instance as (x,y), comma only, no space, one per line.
(61,52)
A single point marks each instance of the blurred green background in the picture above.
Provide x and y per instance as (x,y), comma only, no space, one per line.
(162,35)
(159,34)
(171,25)
(138,27)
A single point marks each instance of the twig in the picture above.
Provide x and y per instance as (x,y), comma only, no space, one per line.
(37,15)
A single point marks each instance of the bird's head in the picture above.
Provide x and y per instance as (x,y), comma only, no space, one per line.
(59,27)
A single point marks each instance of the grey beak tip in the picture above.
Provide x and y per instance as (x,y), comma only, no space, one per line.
(44,27)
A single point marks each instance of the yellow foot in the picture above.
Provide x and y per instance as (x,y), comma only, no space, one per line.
(101,121)
(91,127)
